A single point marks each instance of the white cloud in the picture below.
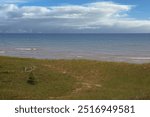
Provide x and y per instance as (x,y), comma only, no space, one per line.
(91,17)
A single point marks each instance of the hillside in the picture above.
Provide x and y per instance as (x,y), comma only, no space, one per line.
(22,78)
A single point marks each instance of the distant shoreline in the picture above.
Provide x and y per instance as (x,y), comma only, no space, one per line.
(74,33)
(134,60)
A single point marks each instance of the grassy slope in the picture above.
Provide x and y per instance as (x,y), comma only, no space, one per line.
(73,79)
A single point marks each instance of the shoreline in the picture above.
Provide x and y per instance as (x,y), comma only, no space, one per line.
(130,60)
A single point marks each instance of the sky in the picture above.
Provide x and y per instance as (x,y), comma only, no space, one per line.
(74,16)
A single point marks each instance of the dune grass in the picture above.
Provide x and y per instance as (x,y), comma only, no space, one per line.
(72,79)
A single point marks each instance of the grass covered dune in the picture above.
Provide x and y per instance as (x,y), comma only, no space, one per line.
(22,78)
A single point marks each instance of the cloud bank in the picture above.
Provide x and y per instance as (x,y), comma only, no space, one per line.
(98,17)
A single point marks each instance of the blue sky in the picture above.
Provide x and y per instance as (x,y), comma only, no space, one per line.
(73,16)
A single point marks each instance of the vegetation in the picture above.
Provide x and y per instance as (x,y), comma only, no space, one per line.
(31,80)
(22,78)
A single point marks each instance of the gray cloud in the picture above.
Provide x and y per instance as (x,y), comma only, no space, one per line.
(91,17)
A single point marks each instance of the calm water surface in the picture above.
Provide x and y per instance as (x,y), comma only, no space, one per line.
(109,47)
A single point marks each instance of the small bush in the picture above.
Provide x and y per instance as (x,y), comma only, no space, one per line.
(31,80)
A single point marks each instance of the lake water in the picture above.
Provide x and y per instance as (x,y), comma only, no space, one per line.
(108,47)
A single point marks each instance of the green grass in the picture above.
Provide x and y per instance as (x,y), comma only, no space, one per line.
(72,79)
